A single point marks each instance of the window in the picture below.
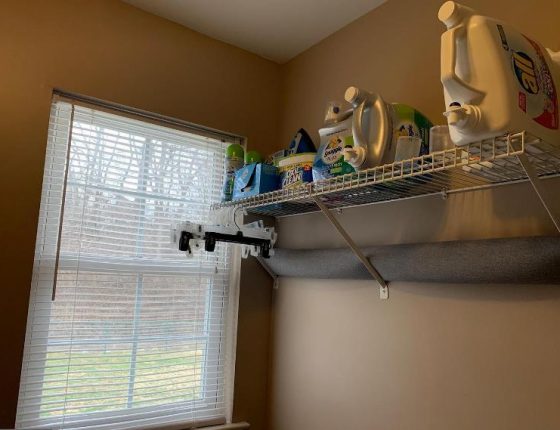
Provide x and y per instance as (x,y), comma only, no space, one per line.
(138,335)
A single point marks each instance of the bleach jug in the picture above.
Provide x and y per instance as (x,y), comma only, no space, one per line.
(366,135)
(377,125)
(496,80)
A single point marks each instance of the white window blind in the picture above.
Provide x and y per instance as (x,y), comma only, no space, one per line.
(138,336)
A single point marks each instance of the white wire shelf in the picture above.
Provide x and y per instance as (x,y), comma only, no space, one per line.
(482,164)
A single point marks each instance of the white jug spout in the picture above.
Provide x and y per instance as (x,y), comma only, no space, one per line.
(355,156)
(463,117)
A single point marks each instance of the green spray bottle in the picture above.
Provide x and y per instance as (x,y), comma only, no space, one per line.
(233,162)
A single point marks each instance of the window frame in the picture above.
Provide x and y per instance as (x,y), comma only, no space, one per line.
(139,269)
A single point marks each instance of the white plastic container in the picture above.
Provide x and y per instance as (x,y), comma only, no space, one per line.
(495,79)
(440,140)
(375,137)
(366,135)
(296,169)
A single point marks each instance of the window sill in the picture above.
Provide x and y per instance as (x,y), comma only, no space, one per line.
(232,426)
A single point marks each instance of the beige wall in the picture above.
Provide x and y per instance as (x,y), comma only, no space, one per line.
(432,357)
(112,51)
(393,50)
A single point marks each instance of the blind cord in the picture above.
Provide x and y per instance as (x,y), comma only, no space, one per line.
(64,186)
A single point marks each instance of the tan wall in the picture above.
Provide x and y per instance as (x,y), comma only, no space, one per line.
(432,357)
(393,50)
(112,51)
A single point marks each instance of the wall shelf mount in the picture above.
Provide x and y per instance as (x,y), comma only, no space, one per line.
(512,158)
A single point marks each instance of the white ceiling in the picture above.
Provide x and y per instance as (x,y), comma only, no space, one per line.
(275,29)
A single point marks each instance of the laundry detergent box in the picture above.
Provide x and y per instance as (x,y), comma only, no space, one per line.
(275,158)
(296,170)
(254,179)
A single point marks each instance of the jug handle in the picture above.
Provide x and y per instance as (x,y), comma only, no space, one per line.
(449,78)
(357,129)
(373,101)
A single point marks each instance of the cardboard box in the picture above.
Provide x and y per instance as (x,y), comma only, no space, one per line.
(253,179)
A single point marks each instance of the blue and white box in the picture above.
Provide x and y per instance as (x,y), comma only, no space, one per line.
(254,179)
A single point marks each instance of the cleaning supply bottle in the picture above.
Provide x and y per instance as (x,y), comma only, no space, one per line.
(253,157)
(366,135)
(301,143)
(495,79)
(377,125)
(233,162)
(335,136)
(370,127)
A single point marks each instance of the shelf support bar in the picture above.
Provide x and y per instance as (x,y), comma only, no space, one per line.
(537,186)
(273,275)
(383,287)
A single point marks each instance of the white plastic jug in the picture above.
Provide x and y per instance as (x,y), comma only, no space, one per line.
(495,79)
(366,135)
(376,127)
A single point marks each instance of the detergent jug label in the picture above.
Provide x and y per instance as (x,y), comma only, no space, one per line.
(334,150)
(409,122)
(537,95)
(406,128)
(329,161)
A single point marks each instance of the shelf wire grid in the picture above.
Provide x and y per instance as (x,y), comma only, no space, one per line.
(482,164)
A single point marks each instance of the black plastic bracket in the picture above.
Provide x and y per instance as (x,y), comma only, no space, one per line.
(210,240)
(184,241)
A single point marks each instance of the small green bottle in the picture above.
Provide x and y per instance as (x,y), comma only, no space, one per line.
(234,162)
(253,157)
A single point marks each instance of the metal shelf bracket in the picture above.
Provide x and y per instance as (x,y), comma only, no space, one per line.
(273,275)
(383,286)
(537,186)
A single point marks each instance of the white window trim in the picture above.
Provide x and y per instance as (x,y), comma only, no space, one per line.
(93,263)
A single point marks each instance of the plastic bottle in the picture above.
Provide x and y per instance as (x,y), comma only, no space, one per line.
(335,136)
(377,125)
(301,143)
(253,157)
(496,80)
(366,135)
(233,162)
